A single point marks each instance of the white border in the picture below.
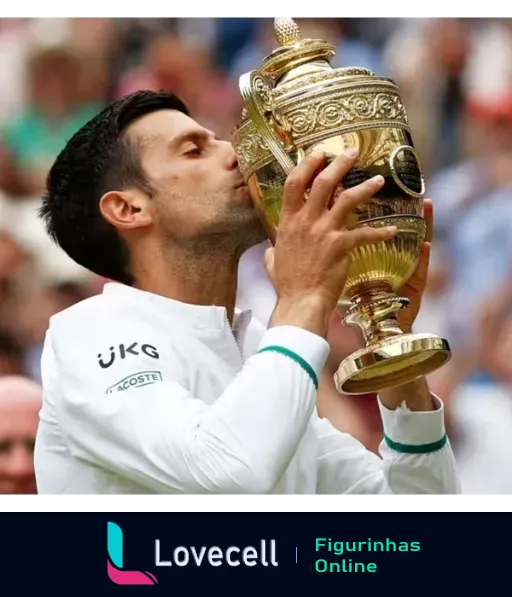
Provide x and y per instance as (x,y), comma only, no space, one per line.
(436,499)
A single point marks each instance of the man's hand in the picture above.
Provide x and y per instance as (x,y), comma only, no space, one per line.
(345,340)
(414,287)
(415,394)
(311,258)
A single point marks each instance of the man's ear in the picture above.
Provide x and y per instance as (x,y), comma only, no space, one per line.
(126,209)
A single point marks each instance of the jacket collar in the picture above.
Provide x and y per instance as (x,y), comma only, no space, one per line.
(199,317)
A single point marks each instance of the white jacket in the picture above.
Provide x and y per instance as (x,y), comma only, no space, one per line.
(143,394)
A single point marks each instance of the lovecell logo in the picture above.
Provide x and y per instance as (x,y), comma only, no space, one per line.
(115,569)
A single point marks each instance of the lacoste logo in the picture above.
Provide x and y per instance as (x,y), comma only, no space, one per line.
(136,380)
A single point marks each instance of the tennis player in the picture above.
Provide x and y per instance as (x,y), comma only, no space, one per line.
(159,384)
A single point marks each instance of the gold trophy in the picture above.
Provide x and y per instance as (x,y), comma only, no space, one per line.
(295,103)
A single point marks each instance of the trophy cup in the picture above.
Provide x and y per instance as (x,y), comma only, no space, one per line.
(295,103)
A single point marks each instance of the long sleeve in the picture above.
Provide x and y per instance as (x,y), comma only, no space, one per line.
(147,428)
(416,457)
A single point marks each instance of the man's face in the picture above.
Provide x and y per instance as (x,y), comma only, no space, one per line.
(18,427)
(199,193)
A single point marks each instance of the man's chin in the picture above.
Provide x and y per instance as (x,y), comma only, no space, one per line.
(248,228)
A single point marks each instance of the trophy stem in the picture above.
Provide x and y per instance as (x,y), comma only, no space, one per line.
(390,357)
(376,315)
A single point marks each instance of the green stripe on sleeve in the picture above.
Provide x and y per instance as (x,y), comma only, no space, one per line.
(295,357)
(420,449)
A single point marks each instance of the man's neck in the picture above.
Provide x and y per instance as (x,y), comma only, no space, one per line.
(208,278)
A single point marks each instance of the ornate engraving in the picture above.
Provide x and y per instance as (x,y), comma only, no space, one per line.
(302,120)
(264,92)
(318,116)
(403,223)
(252,151)
(341,110)
(339,74)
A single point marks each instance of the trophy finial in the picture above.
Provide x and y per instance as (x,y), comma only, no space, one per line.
(287,31)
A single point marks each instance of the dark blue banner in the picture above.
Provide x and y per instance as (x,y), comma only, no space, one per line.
(235,554)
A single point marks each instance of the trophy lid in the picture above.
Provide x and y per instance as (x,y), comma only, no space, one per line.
(293,50)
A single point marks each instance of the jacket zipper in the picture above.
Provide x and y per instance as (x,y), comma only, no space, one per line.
(233,340)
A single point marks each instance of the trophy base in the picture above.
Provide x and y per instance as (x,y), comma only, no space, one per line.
(391,362)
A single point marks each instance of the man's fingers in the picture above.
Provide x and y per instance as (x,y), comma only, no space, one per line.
(269,264)
(353,197)
(428,214)
(418,280)
(367,235)
(299,181)
(326,182)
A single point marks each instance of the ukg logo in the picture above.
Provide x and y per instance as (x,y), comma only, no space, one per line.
(115,569)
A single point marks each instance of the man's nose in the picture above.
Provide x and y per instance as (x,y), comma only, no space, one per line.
(229,155)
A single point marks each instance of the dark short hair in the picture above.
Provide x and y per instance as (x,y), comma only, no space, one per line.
(97,159)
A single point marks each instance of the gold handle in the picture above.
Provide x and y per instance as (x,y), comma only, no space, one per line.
(257,96)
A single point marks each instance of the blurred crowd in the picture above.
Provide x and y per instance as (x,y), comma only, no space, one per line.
(455,76)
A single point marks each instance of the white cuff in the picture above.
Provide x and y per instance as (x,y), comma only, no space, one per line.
(301,343)
(414,431)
